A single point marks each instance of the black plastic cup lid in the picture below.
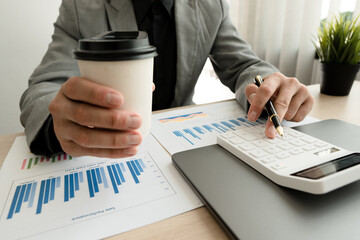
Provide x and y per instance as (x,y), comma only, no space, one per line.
(115,46)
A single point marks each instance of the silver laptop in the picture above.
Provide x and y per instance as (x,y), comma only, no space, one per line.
(249,206)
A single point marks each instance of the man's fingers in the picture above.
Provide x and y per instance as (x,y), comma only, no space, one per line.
(79,141)
(270,130)
(100,138)
(285,97)
(88,115)
(76,151)
(304,110)
(262,95)
(292,100)
(300,102)
(250,92)
(80,89)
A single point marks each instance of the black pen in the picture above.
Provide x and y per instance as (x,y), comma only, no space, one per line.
(274,117)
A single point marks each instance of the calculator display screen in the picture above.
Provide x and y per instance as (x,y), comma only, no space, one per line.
(331,167)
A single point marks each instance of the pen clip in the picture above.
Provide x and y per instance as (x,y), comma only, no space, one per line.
(258,80)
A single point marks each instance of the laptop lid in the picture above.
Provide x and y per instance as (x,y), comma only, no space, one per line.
(250,206)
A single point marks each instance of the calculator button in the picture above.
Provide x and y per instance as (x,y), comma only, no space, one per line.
(249,137)
(278,166)
(268,159)
(296,151)
(285,146)
(252,130)
(308,139)
(257,153)
(282,155)
(272,149)
(320,144)
(273,141)
(246,146)
(309,147)
(228,135)
(297,142)
(237,140)
(260,143)
(295,134)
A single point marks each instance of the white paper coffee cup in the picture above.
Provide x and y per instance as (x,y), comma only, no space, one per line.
(123,61)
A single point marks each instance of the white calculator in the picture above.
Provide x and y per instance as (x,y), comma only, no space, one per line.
(297,161)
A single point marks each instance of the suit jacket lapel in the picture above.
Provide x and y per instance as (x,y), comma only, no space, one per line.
(186,37)
(121,15)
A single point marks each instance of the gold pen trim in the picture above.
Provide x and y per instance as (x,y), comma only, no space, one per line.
(273,116)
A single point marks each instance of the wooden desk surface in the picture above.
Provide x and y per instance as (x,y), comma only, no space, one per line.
(198,223)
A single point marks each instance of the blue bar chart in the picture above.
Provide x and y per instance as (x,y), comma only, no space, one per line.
(102,181)
(192,135)
(72,184)
(47,192)
(23,193)
(198,126)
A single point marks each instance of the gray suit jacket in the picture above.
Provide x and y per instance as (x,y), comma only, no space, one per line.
(203,29)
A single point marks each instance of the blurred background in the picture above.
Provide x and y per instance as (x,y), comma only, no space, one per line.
(279,31)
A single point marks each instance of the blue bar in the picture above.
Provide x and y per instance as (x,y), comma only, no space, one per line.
(98,176)
(235,122)
(120,173)
(116,175)
(188,131)
(104,177)
(210,129)
(93,176)
(72,188)
(199,130)
(142,163)
(122,167)
(27,194)
(218,126)
(21,198)
(112,180)
(76,178)
(52,189)
(135,168)
(179,134)
(229,125)
(32,195)
(66,188)
(246,121)
(57,182)
(41,197)
(81,177)
(47,191)
(132,172)
(138,165)
(13,203)
(91,190)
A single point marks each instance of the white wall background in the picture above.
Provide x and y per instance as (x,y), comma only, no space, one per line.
(25,29)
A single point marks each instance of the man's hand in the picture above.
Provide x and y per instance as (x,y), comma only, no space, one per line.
(87,121)
(292,100)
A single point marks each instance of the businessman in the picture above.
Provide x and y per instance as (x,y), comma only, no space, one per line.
(58,106)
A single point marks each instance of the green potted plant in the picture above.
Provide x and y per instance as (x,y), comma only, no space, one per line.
(338,47)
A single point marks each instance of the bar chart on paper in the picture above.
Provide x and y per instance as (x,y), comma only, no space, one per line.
(185,129)
(105,187)
(192,135)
